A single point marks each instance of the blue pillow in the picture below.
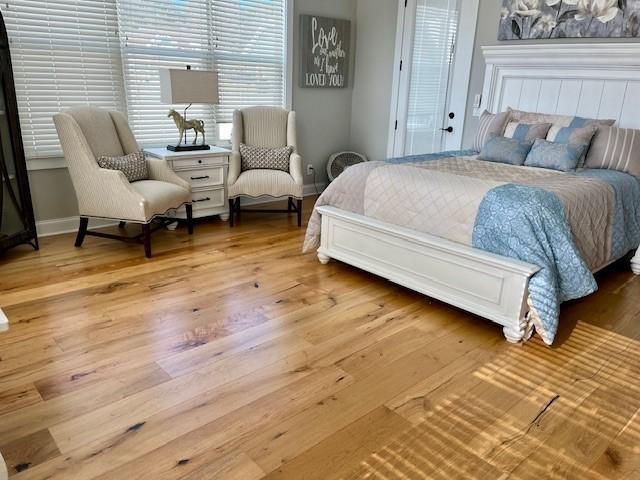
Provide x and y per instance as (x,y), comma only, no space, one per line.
(505,150)
(556,156)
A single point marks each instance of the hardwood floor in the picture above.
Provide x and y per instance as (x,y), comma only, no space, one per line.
(232,355)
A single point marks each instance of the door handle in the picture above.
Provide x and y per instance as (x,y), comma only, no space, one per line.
(448,129)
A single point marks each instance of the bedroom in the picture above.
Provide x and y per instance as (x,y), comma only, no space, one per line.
(408,341)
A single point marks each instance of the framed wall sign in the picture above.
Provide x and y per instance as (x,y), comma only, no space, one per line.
(324,49)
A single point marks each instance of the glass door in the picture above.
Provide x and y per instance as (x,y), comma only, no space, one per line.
(434,48)
(436,24)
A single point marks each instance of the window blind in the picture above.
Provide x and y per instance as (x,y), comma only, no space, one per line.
(108,53)
(64,53)
(250,52)
(158,34)
(435,34)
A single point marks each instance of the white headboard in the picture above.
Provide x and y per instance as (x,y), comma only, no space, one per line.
(588,80)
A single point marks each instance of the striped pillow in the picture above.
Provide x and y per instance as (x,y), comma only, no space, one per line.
(526,132)
(490,125)
(615,149)
(575,137)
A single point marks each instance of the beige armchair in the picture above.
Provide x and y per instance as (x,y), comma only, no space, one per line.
(269,127)
(87,133)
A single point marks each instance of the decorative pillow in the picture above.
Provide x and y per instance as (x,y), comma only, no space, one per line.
(254,157)
(526,132)
(556,156)
(134,165)
(560,120)
(505,150)
(574,136)
(578,122)
(490,124)
(615,149)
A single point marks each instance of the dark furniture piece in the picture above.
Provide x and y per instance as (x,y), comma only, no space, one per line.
(17,222)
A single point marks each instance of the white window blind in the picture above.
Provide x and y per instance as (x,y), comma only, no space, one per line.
(436,25)
(250,52)
(108,53)
(64,53)
(162,34)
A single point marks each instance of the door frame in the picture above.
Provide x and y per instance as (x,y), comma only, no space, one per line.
(459,84)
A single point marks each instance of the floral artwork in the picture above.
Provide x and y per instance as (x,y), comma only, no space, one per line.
(531,19)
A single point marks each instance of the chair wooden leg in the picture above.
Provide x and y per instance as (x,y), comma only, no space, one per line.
(82,231)
(232,203)
(237,207)
(146,238)
(189,209)
(122,224)
(290,204)
(299,212)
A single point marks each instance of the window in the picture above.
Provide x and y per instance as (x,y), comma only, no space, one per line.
(64,53)
(162,34)
(108,53)
(250,51)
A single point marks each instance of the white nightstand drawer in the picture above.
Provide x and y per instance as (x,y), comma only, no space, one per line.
(187,163)
(206,172)
(204,177)
(204,199)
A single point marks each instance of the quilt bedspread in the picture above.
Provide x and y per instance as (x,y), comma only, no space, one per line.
(567,224)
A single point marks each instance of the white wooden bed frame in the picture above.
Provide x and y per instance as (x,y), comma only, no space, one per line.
(590,80)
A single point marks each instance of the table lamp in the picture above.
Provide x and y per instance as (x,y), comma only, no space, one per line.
(188,86)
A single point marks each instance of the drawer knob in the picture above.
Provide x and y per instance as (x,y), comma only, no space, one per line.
(200,178)
(199,161)
(202,199)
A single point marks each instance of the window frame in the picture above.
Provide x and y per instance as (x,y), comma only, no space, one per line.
(57,161)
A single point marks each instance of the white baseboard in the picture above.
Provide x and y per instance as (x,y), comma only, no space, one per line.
(58,226)
(4,325)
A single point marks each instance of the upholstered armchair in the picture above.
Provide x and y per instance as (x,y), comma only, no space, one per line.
(269,127)
(87,133)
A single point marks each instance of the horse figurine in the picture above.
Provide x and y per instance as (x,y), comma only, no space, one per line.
(183,125)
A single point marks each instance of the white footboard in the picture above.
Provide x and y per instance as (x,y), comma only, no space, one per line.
(635,263)
(488,285)
(4,321)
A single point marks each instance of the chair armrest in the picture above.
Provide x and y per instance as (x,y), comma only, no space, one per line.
(234,167)
(295,168)
(108,193)
(159,170)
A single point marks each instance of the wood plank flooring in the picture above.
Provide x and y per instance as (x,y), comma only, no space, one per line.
(230,355)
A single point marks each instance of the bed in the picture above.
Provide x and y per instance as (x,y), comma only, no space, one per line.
(509,243)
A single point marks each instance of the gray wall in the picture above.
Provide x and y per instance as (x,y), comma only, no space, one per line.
(376,30)
(52,194)
(323,114)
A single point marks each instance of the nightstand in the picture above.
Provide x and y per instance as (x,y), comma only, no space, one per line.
(206,171)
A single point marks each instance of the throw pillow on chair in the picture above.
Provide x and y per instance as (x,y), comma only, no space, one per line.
(254,157)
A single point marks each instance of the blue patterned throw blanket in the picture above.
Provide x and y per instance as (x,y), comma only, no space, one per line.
(568,224)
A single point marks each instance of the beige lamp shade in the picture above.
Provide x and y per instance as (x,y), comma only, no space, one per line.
(188,86)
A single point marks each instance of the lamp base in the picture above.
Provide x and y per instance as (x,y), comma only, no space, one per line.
(187,148)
